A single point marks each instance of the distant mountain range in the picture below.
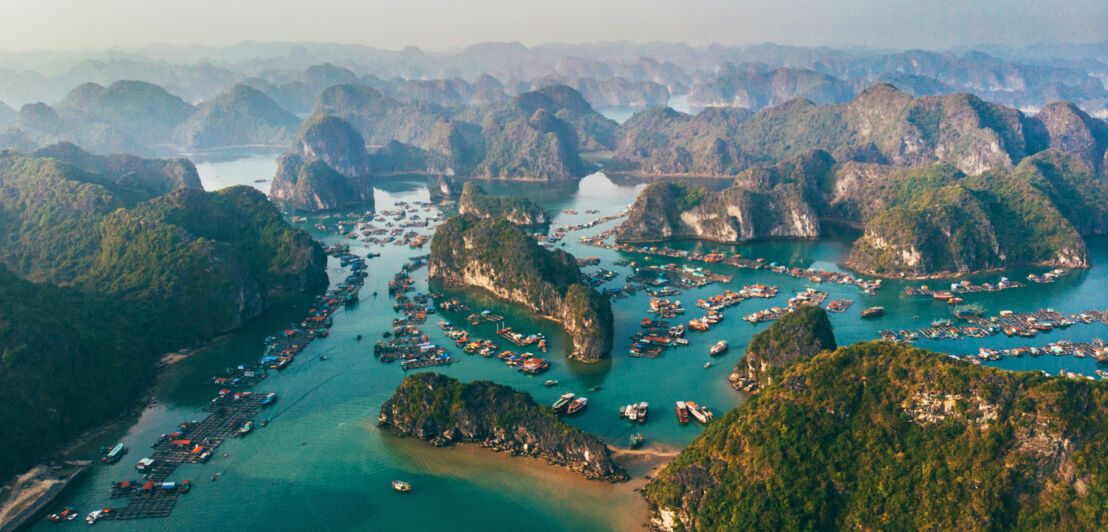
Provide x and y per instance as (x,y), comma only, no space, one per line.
(612,73)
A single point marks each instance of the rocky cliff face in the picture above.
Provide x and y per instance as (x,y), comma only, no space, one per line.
(1074,132)
(330,139)
(443,411)
(946,223)
(314,186)
(761,203)
(497,256)
(519,211)
(799,335)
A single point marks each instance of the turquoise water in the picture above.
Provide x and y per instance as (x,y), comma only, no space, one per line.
(322,465)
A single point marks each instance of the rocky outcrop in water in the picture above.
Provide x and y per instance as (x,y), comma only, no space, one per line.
(761,203)
(519,211)
(497,256)
(444,411)
(330,139)
(314,186)
(798,335)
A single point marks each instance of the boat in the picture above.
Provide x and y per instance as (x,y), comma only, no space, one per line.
(67,514)
(640,411)
(401,486)
(97,515)
(682,412)
(551,382)
(146,464)
(873,312)
(114,454)
(719,349)
(636,440)
(700,413)
(269,399)
(246,428)
(577,405)
(563,401)
(707,365)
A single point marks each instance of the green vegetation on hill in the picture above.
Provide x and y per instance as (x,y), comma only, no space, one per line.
(498,256)
(533,136)
(242,116)
(143,111)
(944,221)
(332,140)
(798,335)
(313,186)
(443,410)
(517,210)
(144,274)
(918,221)
(880,125)
(592,130)
(884,436)
(68,360)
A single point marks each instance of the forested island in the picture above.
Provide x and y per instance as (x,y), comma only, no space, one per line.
(497,256)
(444,411)
(984,187)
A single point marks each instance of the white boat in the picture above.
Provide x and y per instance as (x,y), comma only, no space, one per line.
(401,486)
(577,405)
(700,413)
(563,401)
(95,516)
(720,348)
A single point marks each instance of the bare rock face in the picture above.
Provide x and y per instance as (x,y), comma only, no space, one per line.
(444,411)
(314,186)
(1074,132)
(761,203)
(498,257)
(332,140)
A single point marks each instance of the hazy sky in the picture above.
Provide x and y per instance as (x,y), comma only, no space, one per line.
(439,24)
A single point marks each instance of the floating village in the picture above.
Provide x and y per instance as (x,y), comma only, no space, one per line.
(666,324)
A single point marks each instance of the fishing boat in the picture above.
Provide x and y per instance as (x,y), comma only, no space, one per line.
(719,349)
(640,411)
(707,365)
(577,405)
(401,486)
(682,412)
(563,401)
(67,514)
(873,312)
(246,428)
(114,454)
(551,382)
(269,399)
(636,440)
